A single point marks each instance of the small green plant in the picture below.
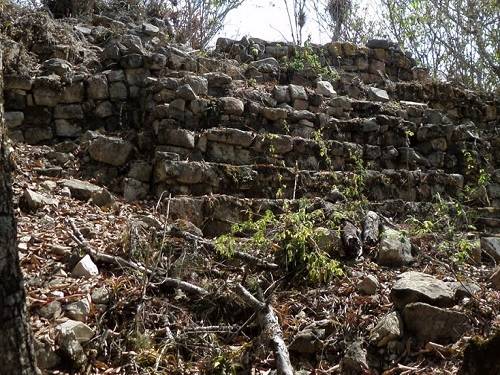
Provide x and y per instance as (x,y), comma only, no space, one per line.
(464,248)
(291,236)
(478,176)
(323,147)
(355,189)
(252,82)
(421,227)
(306,58)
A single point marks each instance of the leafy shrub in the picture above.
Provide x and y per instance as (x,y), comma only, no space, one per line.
(306,58)
(291,236)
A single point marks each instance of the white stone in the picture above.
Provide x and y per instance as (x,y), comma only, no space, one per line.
(388,328)
(82,332)
(85,268)
(378,94)
(78,310)
(325,88)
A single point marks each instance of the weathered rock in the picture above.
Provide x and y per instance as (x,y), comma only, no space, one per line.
(369,285)
(33,201)
(81,190)
(307,341)
(378,94)
(371,226)
(78,310)
(103,198)
(97,87)
(232,106)
(297,92)
(85,268)
(56,66)
(419,287)
(46,357)
(394,248)
(353,247)
(74,93)
(231,136)
(140,170)
(104,109)
(73,350)
(150,29)
(156,61)
(463,289)
(81,331)
(491,246)
(281,94)
(388,328)
(274,114)
(51,310)
(38,135)
(431,323)
(354,361)
(14,119)
(100,295)
(134,190)
(110,150)
(176,137)
(218,79)
(118,91)
(481,356)
(68,111)
(65,128)
(186,92)
(268,65)
(325,88)
(132,61)
(197,83)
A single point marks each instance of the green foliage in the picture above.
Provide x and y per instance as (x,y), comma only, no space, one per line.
(457,40)
(464,248)
(323,147)
(449,221)
(292,239)
(478,177)
(356,186)
(306,58)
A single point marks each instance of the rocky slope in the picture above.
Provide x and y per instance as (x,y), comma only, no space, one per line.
(367,197)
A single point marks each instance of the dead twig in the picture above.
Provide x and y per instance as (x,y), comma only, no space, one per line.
(270,327)
(250,259)
(119,261)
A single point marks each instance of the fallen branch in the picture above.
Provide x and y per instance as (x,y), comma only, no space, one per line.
(268,322)
(182,285)
(77,236)
(250,259)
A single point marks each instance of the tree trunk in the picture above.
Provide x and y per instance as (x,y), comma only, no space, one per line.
(16,349)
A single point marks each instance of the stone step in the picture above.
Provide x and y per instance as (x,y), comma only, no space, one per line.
(239,147)
(214,214)
(268,181)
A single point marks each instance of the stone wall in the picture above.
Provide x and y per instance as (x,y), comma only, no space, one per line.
(191,124)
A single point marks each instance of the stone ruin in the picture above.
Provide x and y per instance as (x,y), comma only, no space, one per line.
(236,130)
(216,137)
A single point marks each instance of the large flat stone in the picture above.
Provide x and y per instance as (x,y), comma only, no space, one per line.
(82,190)
(419,287)
(395,248)
(110,150)
(431,323)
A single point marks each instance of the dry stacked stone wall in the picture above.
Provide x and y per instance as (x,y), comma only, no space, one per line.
(237,122)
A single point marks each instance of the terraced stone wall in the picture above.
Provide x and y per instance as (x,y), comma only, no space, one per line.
(196,125)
